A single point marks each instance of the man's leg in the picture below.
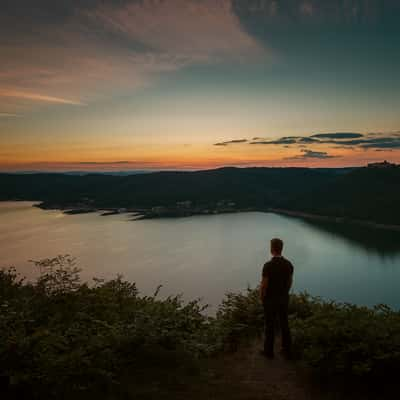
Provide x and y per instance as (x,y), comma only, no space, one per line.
(269,320)
(285,331)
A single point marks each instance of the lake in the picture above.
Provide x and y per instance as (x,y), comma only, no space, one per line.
(206,256)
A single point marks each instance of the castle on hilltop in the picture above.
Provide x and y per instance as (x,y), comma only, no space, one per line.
(384,164)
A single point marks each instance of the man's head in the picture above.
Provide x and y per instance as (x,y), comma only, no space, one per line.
(276,247)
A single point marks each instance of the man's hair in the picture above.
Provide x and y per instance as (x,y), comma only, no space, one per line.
(276,245)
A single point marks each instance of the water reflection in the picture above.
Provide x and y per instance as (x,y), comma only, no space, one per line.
(385,243)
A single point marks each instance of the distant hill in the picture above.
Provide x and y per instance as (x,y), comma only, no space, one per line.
(365,193)
(361,193)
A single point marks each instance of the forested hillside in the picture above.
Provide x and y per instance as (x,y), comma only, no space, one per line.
(362,193)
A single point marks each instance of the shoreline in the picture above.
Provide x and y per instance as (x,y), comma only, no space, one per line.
(337,220)
(143,214)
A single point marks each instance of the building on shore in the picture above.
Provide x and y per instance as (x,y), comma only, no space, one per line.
(384,164)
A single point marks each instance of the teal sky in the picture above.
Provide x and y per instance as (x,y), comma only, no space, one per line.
(157,84)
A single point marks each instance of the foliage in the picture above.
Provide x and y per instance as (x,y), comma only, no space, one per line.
(240,317)
(334,339)
(348,340)
(59,336)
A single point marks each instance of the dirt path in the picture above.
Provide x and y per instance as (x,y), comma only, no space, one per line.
(248,375)
(245,375)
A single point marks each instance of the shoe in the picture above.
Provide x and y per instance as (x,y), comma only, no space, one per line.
(266,354)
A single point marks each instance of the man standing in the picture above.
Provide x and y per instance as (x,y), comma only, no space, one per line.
(277,277)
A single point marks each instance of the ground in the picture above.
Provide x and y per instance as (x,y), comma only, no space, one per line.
(246,374)
(241,375)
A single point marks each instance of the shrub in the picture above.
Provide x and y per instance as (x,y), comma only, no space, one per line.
(334,339)
(60,336)
(240,317)
(351,341)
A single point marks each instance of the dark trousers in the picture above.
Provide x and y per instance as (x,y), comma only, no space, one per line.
(274,312)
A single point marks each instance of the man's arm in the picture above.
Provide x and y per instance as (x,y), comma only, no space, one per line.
(263,287)
(290,282)
(264,282)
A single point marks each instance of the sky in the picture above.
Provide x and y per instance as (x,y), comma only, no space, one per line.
(193,84)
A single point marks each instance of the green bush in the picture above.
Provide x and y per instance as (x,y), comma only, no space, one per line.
(334,339)
(60,336)
(347,340)
(240,318)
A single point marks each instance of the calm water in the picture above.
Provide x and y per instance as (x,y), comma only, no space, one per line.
(205,256)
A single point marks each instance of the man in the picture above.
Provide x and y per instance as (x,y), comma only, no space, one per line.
(277,277)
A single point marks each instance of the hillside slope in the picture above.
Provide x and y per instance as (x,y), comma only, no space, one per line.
(361,193)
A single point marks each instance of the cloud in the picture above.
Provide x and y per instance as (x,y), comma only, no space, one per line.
(81,70)
(275,13)
(287,140)
(316,154)
(306,139)
(8,115)
(283,140)
(38,97)
(311,154)
(384,143)
(235,141)
(81,51)
(347,140)
(197,30)
(338,135)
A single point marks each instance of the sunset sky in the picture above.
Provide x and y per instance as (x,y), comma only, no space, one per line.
(189,84)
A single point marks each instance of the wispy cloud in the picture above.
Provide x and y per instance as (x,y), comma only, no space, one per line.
(38,97)
(284,13)
(8,115)
(338,135)
(80,71)
(385,141)
(370,141)
(382,143)
(287,140)
(234,141)
(100,49)
(339,139)
(307,154)
(197,30)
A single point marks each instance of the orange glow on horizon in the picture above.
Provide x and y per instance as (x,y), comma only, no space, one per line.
(108,153)
(195,163)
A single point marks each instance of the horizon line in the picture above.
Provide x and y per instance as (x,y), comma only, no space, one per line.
(150,170)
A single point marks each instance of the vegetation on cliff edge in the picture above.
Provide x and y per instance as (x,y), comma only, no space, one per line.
(60,337)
